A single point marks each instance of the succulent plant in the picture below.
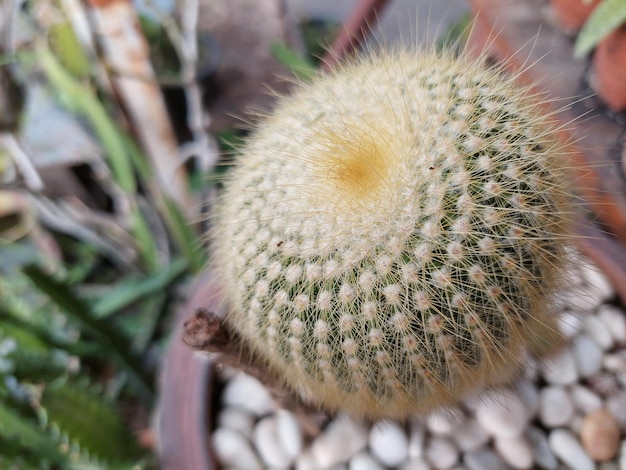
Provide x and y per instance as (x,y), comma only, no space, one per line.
(394,233)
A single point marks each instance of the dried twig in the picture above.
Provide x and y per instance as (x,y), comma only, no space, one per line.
(126,50)
(204,147)
(14,148)
(205,331)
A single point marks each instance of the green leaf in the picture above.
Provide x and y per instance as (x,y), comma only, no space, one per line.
(34,367)
(68,49)
(604,19)
(300,66)
(133,289)
(15,456)
(184,236)
(456,35)
(89,421)
(23,337)
(83,100)
(145,241)
(105,333)
(30,436)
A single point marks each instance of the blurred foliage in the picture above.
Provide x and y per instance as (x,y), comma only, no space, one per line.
(86,293)
(56,408)
(605,18)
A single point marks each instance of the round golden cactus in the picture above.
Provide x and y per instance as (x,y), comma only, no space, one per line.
(393,234)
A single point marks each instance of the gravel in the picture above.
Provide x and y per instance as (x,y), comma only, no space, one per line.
(568,412)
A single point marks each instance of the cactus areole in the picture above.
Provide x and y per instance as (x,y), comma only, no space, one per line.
(393,234)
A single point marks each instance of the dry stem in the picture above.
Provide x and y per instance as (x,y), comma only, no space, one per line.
(205,331)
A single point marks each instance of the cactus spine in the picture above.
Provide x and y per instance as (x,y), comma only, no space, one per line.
(394,233)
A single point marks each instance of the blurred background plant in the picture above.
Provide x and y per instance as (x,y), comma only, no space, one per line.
(106,156)
(100,222)
(603,20)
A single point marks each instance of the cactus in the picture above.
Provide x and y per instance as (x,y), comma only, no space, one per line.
(394,233)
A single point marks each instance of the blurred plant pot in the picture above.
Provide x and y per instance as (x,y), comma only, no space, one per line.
(185,410)
(609,69)
(572,14)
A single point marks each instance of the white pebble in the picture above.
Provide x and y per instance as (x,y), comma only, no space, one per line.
(587,355)
(560,369)
(615,321)
(473,401)
(556,407)
(622,455)
(416,440)
(388,443)
(530,369)
(441,452)
(570,323)
(567,448)
(364,461)
(599,284)
(483,459)
(236,419)
(470,436)
(584,399)
(515,451)
(582,300)
(265,439)
(616,404)
(444,421)
(233,449)
(289,433)
(415,464)
(247,392)
(502,414)
(615,363)
(542,454)
(306,461)
(529,395)
(599,332)
(342,438)
(575,423)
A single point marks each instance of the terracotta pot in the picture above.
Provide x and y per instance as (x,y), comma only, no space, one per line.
(609,69)
(572,14)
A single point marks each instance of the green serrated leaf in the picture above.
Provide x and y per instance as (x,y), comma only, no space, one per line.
(30,436)
(30,366)
(23,337)
(90,422)
(105,333)
(604,19)
(15,456)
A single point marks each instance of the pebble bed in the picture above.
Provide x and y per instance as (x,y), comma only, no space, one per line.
(565,413)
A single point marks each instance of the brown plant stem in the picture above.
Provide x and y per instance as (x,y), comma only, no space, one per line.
(206,331)
(361,21)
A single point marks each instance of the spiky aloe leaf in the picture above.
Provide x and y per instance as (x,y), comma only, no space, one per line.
(89,421)
(605,18)
(36,367)
(14,456)
(32,439)
(105,332)
(23,337)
